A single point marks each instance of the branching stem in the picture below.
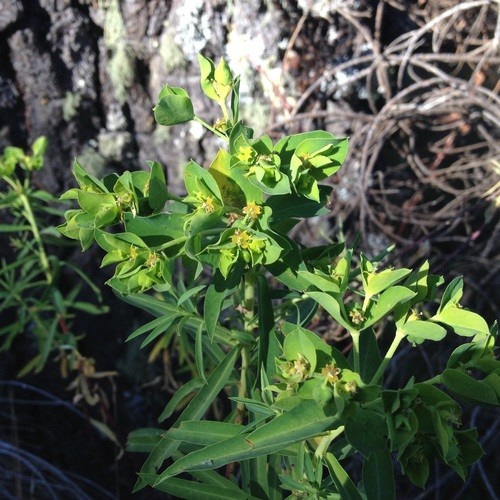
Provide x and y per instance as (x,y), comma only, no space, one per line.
(390,353)
(212,129)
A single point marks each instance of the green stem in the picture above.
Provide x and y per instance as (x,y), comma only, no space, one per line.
(326,440)
(355,349)
(212,129)
(223,106)
(366,302)
(390,353)
(248,315)
(30,217)
(172,243)
(248,300)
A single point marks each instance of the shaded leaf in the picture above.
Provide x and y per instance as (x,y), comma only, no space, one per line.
(341,479)
(378,476)
(304,421)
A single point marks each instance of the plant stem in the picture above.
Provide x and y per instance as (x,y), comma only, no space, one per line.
(355,349)
(172,243)
(390,353)
(248,300)
(248,313)
(212,129)
(30,217)
(366,302)
(224,109)
(326,441)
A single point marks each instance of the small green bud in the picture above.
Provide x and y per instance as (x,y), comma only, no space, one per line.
(223,80)
(222,74)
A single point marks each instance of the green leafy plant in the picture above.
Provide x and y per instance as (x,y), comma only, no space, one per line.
(31,288)
(244,295)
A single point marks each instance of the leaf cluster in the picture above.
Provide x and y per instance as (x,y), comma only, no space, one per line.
(31,292)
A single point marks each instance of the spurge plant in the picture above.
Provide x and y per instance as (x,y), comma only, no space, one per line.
(234,285)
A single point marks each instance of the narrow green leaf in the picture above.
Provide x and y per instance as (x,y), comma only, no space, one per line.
(163,322)
(304,421)
(213,478)
(89,308)
(184,488)
(341,479)
(258,477)
(378,476)
(254,406)
(144,440)
(204,432)
(153,306)
(195,409)
(13,228)
(30,365)
(198,353)
(190,293)
(181,393)
(163,329)
(47,332)
(321,282)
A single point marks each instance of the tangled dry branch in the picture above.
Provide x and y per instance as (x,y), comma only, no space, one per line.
(424,163)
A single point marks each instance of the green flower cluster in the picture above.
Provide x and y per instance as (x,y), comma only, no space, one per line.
(423,424)
(232,216)
(13,156)
(311,369)
(131,200)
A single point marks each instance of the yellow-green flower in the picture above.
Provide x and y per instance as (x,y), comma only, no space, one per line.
(133,252)
(331,373)
(256,246)
(252,210)
(357,316)
(300,368)
(245,154)
(241,238)
(208,205)
(152,259)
